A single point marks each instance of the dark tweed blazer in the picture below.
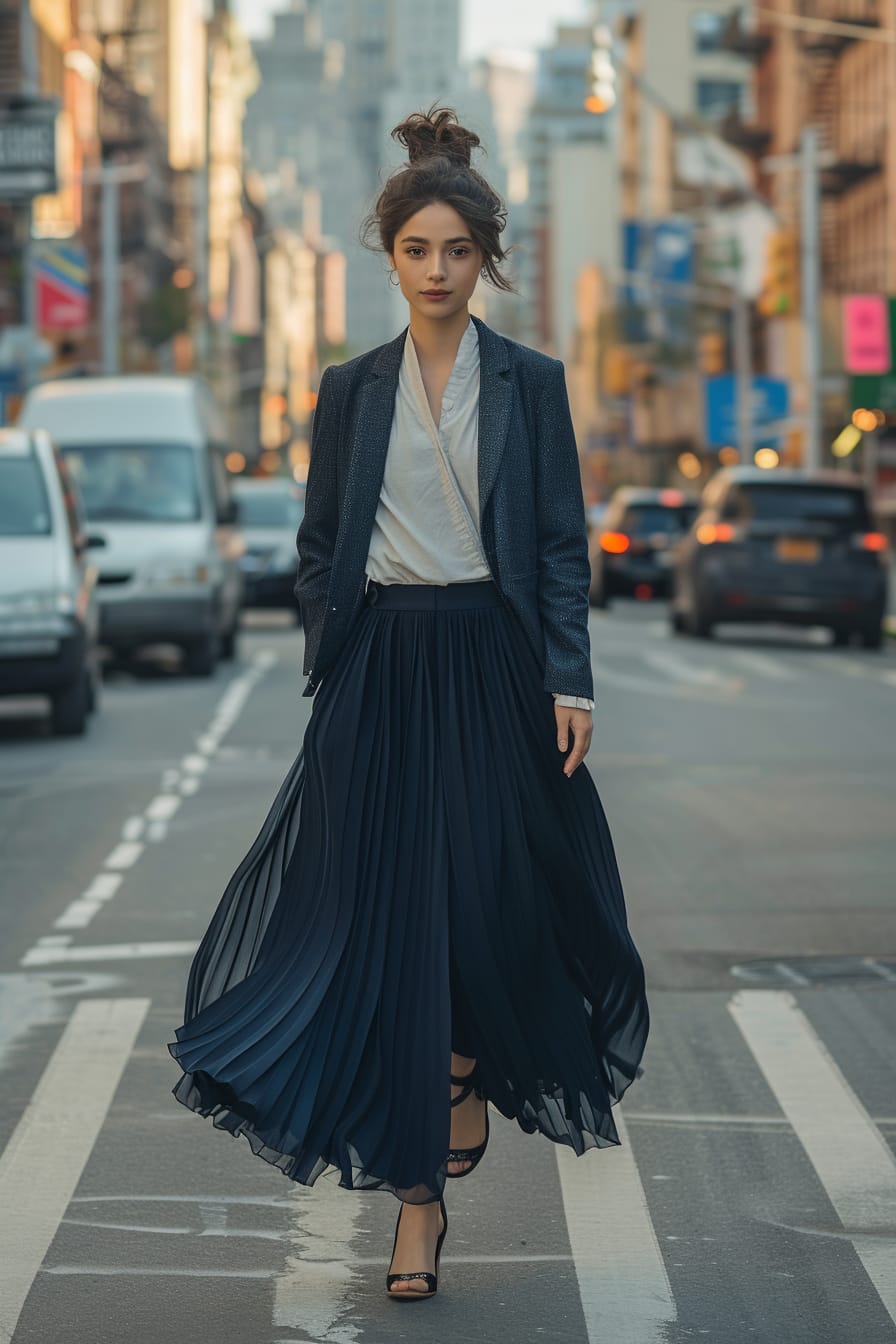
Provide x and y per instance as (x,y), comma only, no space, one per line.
(532,515)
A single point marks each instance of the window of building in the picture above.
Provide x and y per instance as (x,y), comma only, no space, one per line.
(707,28)
(715,98)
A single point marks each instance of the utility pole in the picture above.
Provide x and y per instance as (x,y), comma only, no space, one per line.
(743,367)
(30,85)
(811,284)
(111,251)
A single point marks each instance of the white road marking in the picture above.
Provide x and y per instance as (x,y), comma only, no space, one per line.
(49,1148)
(312,1296)
(848,1152)
(55,939)
(762,664)
(625,1290)
(103,887)
(163,807)
(153,824)
(681,670)
(193,765)
(125,855)
(77,915)
(50,955)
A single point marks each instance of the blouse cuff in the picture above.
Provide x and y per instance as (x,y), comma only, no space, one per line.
(573,701)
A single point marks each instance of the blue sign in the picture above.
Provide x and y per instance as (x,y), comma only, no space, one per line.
(661,250)
(770,401)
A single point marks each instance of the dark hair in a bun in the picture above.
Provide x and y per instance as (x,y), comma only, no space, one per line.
(439,170)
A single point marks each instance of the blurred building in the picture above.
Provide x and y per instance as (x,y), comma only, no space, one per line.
(836,75)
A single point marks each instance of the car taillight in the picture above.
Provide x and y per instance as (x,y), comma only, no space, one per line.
(870,541)
(614,542)
(707,533)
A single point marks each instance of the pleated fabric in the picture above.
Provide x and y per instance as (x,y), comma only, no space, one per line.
(426,878)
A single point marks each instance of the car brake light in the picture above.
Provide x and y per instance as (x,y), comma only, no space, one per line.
(672,499)
(614,542)
(707,533)
(871,541)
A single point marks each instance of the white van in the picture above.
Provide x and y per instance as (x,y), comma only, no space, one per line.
(147,454)
(48,609)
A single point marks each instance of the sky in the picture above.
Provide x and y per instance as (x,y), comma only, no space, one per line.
(494,24)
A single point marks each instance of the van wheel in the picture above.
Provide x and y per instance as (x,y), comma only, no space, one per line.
(201,656)
(872,637)
(70,708)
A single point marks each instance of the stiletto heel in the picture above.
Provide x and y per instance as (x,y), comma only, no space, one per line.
(431,1280)
(469,1083)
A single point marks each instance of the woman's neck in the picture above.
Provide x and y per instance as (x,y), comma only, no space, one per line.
(437,342)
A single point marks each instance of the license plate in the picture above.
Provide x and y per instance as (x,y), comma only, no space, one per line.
(801,549)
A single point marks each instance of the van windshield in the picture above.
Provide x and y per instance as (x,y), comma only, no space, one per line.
(136,482)
(24,510)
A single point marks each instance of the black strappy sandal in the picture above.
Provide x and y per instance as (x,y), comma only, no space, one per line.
(431,1280)
(469,1083)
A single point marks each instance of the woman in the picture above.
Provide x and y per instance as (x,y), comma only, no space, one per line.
(433,902)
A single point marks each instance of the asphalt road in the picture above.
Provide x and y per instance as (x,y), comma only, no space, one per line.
(750,786)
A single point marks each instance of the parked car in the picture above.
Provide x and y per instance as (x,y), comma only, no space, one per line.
(631,546)
(269,514)
(48,609)
(784,545)
(147,453)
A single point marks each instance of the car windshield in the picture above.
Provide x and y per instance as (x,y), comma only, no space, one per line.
(845,509)
(641,520)
(269,508)
(24,508)
(136,482)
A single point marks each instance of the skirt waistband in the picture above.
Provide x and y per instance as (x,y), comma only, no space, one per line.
(432,596)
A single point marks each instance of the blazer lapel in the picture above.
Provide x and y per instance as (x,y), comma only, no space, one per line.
(495,404)
(370,444)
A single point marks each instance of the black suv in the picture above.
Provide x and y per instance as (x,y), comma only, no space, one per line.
(631,548)
(783,545)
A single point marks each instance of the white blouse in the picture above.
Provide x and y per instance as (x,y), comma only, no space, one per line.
(426,528)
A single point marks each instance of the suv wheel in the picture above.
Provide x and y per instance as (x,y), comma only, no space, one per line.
(873,636)
(700,625)
(201,656)
(71,707)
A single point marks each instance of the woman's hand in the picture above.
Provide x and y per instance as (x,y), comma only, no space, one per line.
(578,722)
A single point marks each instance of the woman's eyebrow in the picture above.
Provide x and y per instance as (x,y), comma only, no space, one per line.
(449,242)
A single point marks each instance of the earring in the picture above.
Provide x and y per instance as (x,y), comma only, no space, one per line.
(393,278)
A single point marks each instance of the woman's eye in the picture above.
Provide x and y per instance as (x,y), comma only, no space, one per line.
(414,251)
(460,251)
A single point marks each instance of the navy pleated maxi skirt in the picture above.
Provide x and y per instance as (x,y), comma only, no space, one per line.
(426,879)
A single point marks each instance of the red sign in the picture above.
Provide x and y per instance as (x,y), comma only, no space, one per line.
(61,284)
(866,333)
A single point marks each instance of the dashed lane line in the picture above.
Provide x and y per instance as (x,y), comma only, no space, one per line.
(625,1290)
(152,825)
(49,1148)
(850,1156)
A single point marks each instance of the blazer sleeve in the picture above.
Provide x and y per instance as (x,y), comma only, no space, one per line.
(564,570)
(316,539)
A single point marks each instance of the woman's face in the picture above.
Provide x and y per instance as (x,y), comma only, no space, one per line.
(437,261)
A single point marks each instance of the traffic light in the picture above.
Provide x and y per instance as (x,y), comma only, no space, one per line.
(601,91)
(781,282)
(712,354)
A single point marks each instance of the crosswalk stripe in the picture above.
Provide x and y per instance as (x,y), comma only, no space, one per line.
(49,1148)
(848,1152)
(625,1290)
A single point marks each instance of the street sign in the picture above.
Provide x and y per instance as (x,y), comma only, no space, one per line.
(60,271)
(28,149)
(877,391)
(661,251)
(769,405)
